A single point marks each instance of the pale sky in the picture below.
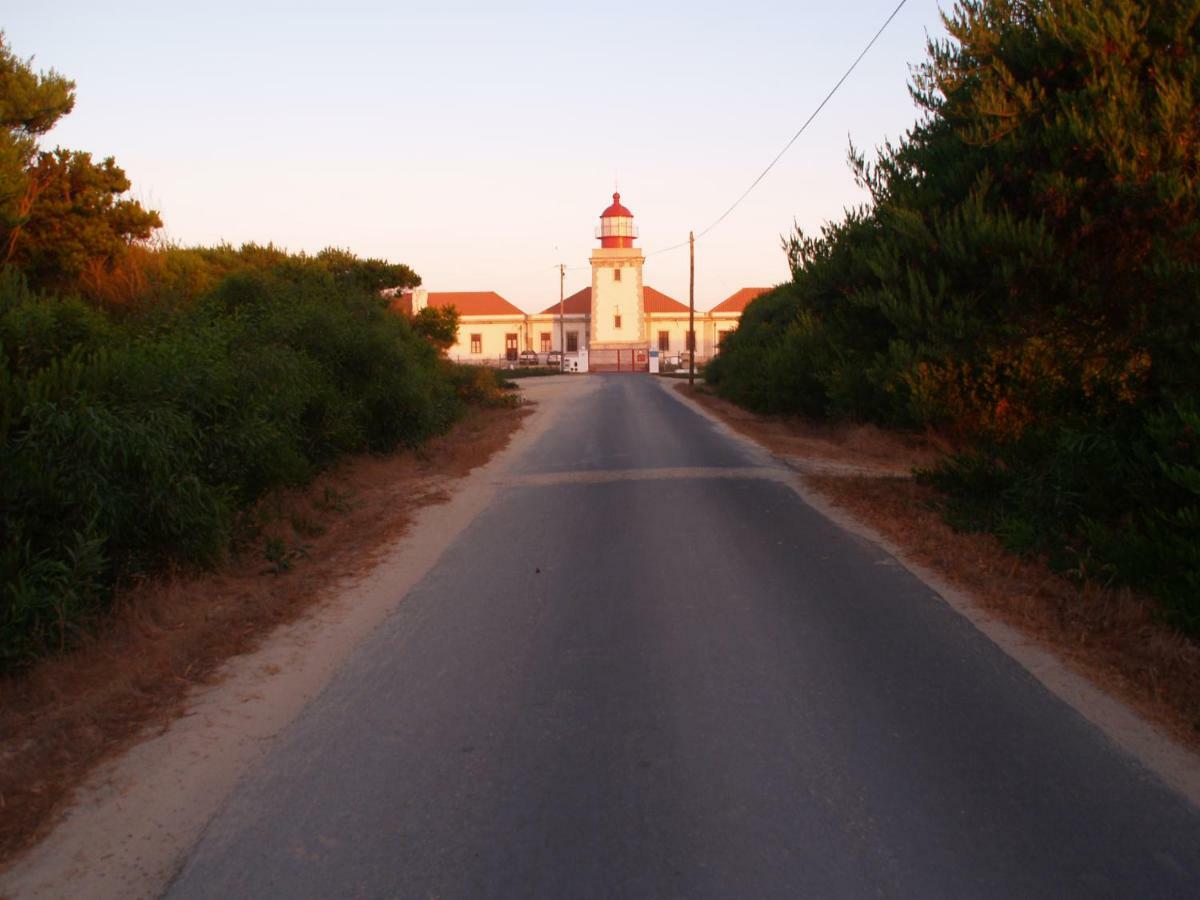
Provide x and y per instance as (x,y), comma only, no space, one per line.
(479,142)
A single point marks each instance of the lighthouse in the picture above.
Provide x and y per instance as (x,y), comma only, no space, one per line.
(618,326)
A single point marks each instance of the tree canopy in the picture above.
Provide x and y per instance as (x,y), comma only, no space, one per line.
(80,220)
(366,274)
(61,214)
(438,325)
(30,104)
(1026,275)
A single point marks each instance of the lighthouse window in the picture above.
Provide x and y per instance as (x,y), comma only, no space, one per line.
(477,343)
(616,274)
(617,320)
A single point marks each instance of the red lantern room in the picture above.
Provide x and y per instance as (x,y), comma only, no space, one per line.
(616,226)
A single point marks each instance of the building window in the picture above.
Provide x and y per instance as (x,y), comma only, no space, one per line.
(545,338)
(616,274)
(691,341)
(572,341)
(720,337)
(477,343)
(616,320)
(664,341)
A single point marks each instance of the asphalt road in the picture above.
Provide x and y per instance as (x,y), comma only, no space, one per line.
(649,669)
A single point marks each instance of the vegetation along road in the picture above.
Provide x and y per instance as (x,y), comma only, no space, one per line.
(649,668)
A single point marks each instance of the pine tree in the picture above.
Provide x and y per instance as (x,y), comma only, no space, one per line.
(61,213)
(30,104)
(1026,273)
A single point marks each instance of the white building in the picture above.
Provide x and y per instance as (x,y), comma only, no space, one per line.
(618,321)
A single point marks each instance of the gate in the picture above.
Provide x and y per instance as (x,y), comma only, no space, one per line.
(635,360)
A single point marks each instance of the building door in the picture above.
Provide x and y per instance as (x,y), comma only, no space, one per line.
(510,347)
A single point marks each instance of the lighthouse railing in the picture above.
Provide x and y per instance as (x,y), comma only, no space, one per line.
(616,228)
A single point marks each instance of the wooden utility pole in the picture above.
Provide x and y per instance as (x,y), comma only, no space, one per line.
(562,321)
(691,339)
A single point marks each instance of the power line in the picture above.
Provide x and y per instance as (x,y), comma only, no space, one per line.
(795,137)
(721,218)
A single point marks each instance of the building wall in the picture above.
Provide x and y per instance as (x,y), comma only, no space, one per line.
(612,298)
(543,323)
(529,330)
(492,331)
(720,325)
(676,327)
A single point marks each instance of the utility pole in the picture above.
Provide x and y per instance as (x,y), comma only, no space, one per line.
(691,309)
(562,321)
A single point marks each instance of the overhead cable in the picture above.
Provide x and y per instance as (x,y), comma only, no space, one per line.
(721,218)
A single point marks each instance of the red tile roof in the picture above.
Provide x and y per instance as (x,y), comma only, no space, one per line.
(658,302)
(736,303)
(581,303)
(616,209)
(474,303)
(578,303)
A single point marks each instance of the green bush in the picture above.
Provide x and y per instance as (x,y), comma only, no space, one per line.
(1027,277)
(481,386)
(131,441)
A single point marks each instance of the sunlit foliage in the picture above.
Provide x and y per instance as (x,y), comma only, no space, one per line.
(150,394)
(1027,275)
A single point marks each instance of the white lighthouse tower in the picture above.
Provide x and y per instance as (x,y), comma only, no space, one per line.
(618,332)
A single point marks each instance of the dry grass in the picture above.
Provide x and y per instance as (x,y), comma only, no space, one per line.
(67,714)
(865,449)
(1111,636)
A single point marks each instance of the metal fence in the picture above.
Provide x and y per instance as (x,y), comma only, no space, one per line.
(507,362)
(597,361)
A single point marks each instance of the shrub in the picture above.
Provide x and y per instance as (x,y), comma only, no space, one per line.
(1026,275)
(481,386)
(131,439)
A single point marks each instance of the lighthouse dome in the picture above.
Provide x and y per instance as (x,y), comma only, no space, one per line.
(616,209)
(616,226)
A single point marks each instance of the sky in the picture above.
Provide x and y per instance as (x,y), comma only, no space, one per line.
(479,142)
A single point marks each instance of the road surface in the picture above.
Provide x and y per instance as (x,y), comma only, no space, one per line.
(649,669)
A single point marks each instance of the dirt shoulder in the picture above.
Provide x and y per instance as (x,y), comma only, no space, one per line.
(1112,637)
(68,715)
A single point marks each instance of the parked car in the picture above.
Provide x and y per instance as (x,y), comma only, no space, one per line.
(554,359)
(529,358)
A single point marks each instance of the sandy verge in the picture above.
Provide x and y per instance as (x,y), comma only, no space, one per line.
(842,472)
(135,817)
